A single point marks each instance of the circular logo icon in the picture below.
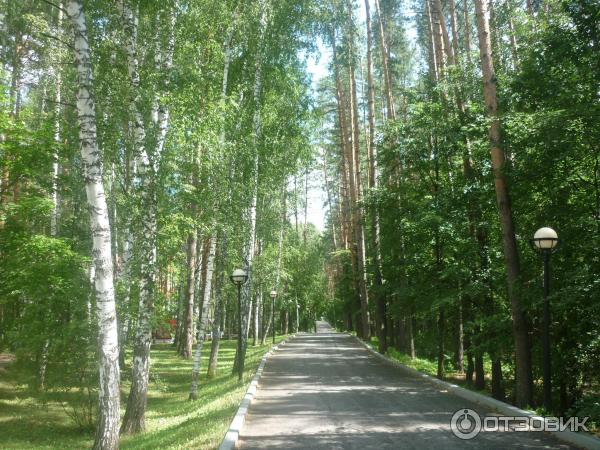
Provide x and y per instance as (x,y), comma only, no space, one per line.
(465,424)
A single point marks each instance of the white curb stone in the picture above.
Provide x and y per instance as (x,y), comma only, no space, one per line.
(582,440)
(233,433)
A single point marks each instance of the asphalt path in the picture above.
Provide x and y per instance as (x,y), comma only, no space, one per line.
(326,391)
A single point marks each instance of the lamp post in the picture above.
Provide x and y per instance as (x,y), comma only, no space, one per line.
(239,277)
(273,295)
(544,242)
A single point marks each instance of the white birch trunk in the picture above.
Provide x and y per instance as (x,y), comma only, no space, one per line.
(250,246)
(219,310)
(134,420)
(55,162)
(203,319)
(107,431)
(220,307)
(256,315)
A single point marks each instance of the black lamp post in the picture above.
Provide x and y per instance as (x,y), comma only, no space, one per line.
(239,277)
(273,295)
(544,242)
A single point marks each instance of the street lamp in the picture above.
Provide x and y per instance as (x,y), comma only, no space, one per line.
(239,277)
(544,242)
(273,295)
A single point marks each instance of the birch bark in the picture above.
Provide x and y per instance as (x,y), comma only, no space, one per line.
(269,319)
(250,246)
(107,431)
(55,162)
(148,163)
(219,300)
(203,318)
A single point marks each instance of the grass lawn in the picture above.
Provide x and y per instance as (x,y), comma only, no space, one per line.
(172,422)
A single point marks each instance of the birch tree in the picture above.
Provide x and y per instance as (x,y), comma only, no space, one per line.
(107,431)
(250,245)
(149,162)
(203,321)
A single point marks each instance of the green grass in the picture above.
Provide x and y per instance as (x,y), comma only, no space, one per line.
(422,365)
(429,367)
(172,422)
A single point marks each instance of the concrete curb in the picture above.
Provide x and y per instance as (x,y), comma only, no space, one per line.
(579,439)
(233,433)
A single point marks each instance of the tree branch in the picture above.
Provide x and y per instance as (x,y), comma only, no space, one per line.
(56,6)
(51,36)
(60,103)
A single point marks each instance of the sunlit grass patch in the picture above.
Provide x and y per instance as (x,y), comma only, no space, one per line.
(172,421)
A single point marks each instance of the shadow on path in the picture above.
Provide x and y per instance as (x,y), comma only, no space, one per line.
(325,391)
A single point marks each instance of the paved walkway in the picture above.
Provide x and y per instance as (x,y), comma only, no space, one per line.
(325,391)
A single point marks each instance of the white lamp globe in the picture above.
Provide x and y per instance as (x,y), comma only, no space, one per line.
(545,238)
(239,276)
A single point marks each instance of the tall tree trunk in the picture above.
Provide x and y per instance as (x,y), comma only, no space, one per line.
(200,274)
(14,101)
(448,48)
(55,199)
(219,311)
(454,30)
(180,312)
(356,176)
(479,370)
(432,48)
(511,255)
(203,317)
(391,113)
(134,419)
(107,431)
(256,315)
(411,337)
(185,345)
(334,212)
(297,321)
(257,307)
(467,32)
(283,223)
(250,244)
(56,162)
(441,350)
(381,328)
(220,305)
(438,40)
(348,188)
(343,133)
(460,353)
(514,49)
(305,229)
